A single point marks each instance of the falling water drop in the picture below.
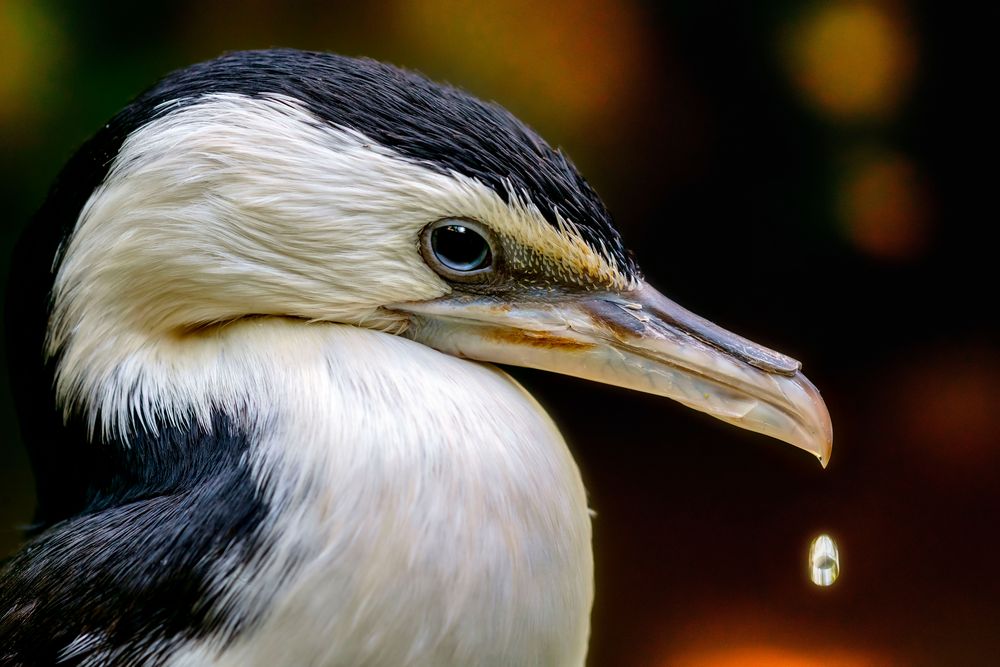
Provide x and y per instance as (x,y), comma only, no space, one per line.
(824,561)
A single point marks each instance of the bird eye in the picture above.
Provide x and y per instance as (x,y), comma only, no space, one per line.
(460,248)
(457,249)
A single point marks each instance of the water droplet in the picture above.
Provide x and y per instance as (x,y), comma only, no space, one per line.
(824,561)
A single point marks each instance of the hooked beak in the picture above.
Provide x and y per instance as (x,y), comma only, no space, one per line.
(638,339)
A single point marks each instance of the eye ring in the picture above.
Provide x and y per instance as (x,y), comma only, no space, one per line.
(459,249)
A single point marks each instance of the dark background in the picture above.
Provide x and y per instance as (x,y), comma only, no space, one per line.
(799,172)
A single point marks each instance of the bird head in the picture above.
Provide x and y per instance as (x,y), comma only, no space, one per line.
(328,189)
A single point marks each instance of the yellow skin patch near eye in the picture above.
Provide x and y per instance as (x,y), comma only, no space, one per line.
(552,254)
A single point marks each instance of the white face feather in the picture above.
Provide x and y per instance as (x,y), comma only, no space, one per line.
(238,206)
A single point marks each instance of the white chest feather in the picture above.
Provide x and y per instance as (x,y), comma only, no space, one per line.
(425,510)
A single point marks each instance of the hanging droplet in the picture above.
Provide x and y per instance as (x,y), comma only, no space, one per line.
(824,561)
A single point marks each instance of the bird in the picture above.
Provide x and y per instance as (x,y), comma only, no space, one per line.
(254,332)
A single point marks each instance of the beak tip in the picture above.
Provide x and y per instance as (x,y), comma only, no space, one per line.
(825,439)
(824,455)
(816,434)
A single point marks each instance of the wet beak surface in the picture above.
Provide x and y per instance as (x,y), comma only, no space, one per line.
(640,340)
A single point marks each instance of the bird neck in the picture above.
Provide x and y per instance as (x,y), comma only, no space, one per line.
(405,490)
(352,494)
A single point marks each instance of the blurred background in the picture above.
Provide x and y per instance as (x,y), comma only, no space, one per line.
(790,170)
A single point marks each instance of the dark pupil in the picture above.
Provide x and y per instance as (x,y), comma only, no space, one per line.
(460,249)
